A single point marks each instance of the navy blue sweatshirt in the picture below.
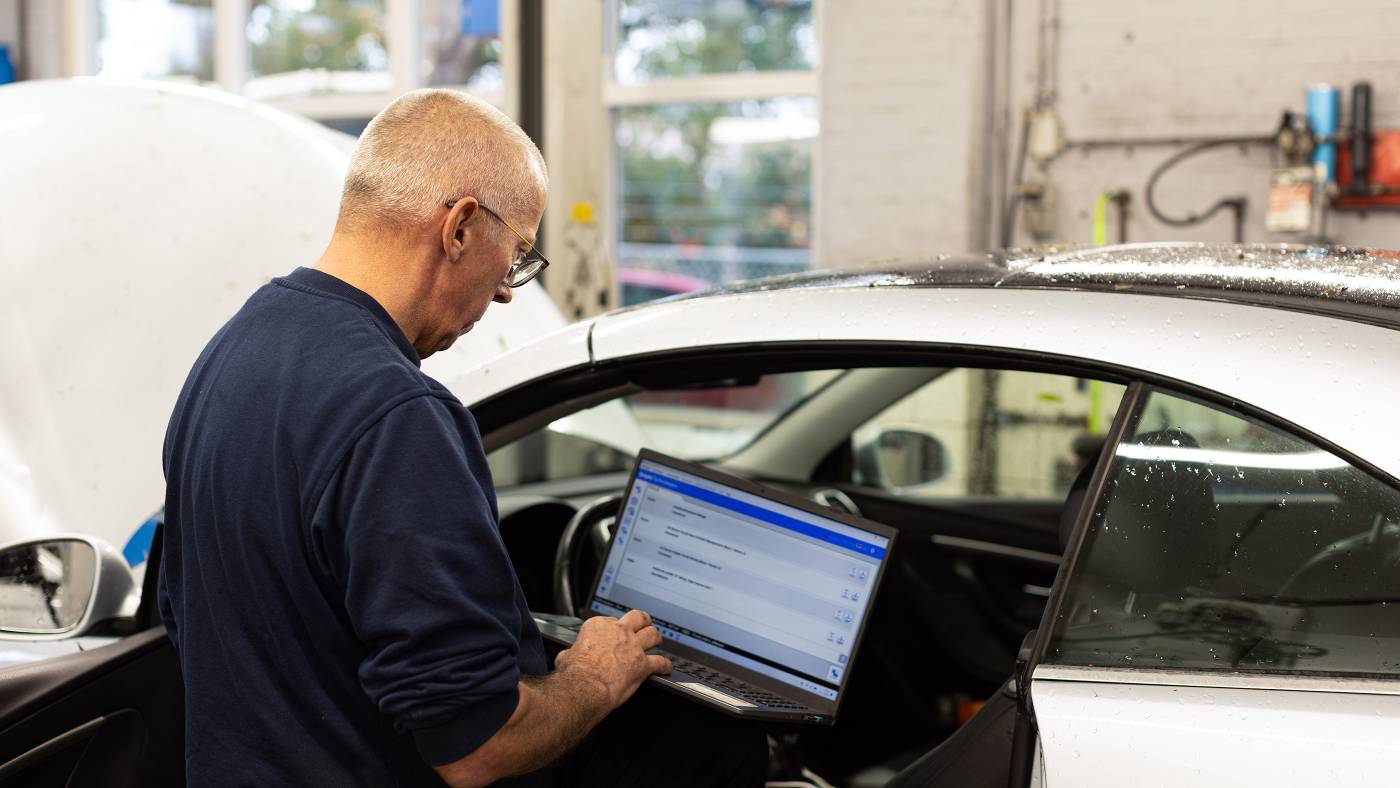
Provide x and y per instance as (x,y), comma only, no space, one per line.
(333,579)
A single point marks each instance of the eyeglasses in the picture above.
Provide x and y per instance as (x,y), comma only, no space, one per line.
(530,262)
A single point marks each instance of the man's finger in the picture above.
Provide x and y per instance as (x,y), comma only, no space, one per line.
(658,664)
(636,619)
(649,637)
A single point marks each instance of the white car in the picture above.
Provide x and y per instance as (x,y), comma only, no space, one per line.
(1146,497)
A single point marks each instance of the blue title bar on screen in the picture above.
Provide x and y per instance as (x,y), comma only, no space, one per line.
(759,513)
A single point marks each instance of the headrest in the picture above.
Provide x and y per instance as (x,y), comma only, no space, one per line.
(1074,501)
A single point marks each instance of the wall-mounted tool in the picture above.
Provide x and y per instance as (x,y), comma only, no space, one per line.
(1119,199)
(1368,161)
(1324,115)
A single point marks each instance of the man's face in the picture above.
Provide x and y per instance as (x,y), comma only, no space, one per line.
(478,276)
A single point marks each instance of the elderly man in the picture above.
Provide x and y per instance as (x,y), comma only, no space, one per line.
(334,583)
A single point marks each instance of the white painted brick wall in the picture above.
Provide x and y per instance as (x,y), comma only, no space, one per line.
(1202,67)
(903,81)
(897,82)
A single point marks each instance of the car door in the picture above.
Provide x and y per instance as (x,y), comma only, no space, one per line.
(976,491)
(110,716)
(1231,610)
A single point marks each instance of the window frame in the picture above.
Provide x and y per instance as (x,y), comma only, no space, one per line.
(1130,412)
(403,41)
(699,88)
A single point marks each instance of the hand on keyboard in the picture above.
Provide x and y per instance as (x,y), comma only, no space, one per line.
(612,651)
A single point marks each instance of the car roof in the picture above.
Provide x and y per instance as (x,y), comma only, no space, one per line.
(1361,285)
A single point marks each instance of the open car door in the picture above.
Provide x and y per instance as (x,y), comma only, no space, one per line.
(112,716)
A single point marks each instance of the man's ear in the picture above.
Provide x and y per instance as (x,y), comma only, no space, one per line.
(454,227)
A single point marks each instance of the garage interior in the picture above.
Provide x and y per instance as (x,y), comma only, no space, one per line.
(699,144)
(890,130)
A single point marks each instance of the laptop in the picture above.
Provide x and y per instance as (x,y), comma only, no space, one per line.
(761,597)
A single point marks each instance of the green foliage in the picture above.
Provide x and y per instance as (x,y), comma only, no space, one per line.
(685,37)
(679,187)
(335,35)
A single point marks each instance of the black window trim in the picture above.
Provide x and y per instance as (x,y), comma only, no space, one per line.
(1129,409)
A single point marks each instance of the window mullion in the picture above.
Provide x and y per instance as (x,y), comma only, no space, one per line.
(402,37)
(510,58)
(711,87)
(231,44)
(81,35)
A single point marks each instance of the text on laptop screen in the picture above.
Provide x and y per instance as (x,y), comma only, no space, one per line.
(771,587)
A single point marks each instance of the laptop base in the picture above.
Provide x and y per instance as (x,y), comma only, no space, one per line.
(700,683)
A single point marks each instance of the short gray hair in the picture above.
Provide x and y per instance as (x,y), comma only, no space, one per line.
(430,146)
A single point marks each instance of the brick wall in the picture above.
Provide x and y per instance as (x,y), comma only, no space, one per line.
(904,86)
(899,81)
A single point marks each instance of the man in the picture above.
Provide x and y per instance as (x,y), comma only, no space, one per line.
(334,583)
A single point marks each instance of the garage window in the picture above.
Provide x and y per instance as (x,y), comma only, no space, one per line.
(155,39)
(714,121)
(1224,543)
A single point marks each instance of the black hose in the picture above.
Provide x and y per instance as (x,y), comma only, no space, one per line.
(1235,204)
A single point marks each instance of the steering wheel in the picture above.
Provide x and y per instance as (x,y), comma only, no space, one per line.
(1371,554)
(590,530)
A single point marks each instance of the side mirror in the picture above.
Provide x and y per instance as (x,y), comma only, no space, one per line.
(59,587)
(898,457)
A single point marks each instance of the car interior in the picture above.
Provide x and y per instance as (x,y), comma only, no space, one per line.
(973,568)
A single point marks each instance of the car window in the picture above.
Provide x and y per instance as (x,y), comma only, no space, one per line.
(693,423)
(1225,543)
(980,432)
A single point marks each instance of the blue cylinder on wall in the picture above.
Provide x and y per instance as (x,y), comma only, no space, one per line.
(1324,111)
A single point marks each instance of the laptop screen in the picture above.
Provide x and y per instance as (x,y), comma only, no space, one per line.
(771,587)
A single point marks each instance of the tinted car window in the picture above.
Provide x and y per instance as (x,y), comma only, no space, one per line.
(1224,543)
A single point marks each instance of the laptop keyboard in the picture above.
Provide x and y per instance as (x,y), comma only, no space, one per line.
(734,686)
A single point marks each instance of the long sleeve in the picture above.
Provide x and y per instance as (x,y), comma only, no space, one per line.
(408,527)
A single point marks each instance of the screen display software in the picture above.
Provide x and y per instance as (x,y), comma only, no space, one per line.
(771,587)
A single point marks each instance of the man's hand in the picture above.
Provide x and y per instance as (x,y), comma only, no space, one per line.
(612,652)
(604,667)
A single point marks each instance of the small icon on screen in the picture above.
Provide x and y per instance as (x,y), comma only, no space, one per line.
(842,659)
